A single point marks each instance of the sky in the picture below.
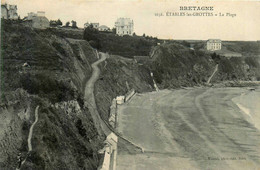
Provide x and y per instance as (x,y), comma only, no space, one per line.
(244,26)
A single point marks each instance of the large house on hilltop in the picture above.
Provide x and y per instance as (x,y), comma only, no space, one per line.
(9,11)
(38,20)
(214,44)
(124,26)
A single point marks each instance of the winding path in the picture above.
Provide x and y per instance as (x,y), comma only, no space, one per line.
(89,97)
(100,124)
(216,69)
(29,140)
(95,74)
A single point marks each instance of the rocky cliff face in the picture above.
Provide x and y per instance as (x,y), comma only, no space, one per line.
(15,114)
(175,65)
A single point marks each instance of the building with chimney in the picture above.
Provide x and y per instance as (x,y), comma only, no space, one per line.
(124,26)
(9,11)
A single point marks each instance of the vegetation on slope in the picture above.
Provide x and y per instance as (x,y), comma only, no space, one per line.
(127,46)
(51,69)
(247,48)
(175,65)
(238,68)
(118,76)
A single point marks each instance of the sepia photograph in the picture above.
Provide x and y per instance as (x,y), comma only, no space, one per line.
(130,85)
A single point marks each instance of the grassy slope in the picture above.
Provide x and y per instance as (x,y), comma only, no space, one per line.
(115,74)
(127,46)
(175,65)
(55,74)
(247,48)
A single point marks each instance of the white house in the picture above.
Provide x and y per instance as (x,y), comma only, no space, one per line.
(103,28)
(95,25)
(214,44)
(31,15)
(124,26)
(38,20)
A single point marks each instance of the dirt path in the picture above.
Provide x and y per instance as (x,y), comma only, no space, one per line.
(154,83)
(89,97)
(29,140)
(31,129)
(215,70)
(100,124)
(95,74)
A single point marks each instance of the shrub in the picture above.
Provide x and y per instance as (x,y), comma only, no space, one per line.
(127,46)
(47,87)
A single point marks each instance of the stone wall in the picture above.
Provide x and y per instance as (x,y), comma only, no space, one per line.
(110,153)
(129,95)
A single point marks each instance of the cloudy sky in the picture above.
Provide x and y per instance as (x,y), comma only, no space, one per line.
(244,26)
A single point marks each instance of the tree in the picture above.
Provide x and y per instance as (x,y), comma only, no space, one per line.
(91,34)
(59,22)
(186,43)
(54,23)
(74,24)
(134,34)
(144,35)
(114,30)
(67,24)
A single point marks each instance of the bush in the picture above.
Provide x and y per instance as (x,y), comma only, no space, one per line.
(47,87)
(252,62)
(91,33)
(127,46)
(59,48)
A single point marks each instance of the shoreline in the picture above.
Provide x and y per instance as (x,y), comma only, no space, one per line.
(248,104)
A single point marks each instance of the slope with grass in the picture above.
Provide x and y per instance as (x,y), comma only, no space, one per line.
(45,68)
(175,65)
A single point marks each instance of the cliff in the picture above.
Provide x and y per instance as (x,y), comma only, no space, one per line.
(175,65)
(43,68)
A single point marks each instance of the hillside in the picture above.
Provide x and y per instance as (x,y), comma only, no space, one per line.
(127,46)
(48,69)
(118,76)
(45,69)
(175,65)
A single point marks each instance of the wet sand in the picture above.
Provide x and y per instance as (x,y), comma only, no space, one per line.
(198,128)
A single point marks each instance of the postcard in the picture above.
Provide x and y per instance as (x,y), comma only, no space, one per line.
(130,85)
